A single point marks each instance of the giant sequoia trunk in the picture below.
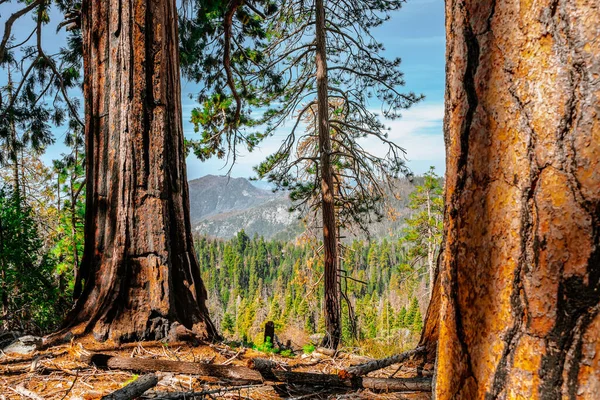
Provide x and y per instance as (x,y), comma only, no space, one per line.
(521,264)
(139,277)
(333,324)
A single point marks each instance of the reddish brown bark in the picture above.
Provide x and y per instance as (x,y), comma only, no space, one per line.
(333,324)
(521,264)
(139,278)
(430,333)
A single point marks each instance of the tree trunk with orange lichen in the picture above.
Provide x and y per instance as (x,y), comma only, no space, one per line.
(521,262)
(139,278)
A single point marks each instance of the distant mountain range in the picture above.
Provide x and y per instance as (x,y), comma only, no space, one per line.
(221,206)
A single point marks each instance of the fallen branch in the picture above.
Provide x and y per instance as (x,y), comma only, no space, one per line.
(15,370)
(337,354)
(134,389)
(26,393)
(202,394)
(422,384)
(236,374)
(28,359)
(328,352)
(230,360)
(363,369)
(71,387)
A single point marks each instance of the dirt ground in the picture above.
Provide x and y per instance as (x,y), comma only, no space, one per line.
(57,373)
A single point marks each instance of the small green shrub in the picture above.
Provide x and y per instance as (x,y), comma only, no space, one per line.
(133,378)
(286,353)
(266,347)
(308,348)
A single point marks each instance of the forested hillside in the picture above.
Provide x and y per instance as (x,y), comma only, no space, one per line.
(252,281)
(385,280)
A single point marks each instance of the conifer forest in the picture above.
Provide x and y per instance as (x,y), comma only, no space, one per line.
(301,199)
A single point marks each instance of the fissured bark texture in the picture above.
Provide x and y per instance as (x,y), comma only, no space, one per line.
(521,264)
(140,273)
(333,326)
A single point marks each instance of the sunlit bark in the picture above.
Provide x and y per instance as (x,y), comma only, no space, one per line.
(139,277)
(521,262)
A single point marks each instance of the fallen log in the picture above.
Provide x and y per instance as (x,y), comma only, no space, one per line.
(363,369)
(243,375)
(422,384)
(239,375)
(134,389)
(266,367)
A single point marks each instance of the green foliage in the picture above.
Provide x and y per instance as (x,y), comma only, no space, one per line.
(134,377)
(308,348)
(252,281)
(417,325)
(428,205)
(266,347)
(228,58)
(286,353)
(69,232)
(413,317)
(49,210)
(401,320)
(423,234)
(37,283)
(29,298)
(228,323)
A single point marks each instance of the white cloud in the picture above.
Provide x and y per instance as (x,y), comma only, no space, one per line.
(419,132)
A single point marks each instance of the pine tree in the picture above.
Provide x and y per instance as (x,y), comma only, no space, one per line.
(401,319)
(411,314)
(304,37)
(424,231)
(228,324)
(417,325)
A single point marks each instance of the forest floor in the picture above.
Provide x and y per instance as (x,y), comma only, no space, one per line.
(59,373)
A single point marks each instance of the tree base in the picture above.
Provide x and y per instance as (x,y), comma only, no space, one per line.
(176,333)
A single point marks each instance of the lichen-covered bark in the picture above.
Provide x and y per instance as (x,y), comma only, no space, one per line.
(521,263)
(139,277)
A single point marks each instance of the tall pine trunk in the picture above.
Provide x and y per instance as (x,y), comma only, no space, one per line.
(12,147)
(521,263)
(331,281)
(139,278)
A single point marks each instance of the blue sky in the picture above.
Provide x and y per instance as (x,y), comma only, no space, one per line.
(415,33)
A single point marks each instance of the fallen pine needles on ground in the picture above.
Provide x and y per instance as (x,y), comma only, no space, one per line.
(86,370)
